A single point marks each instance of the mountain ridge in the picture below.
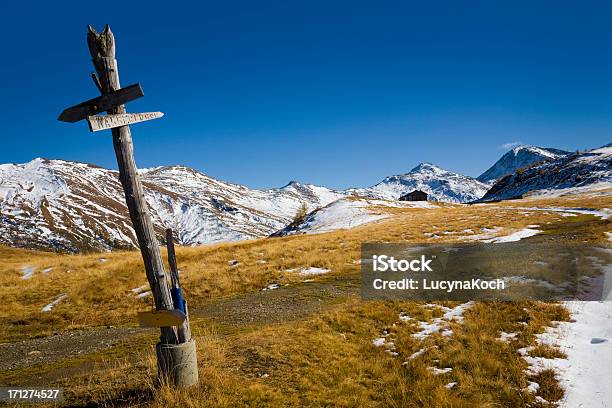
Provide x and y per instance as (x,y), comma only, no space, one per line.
(439,184)
(518,157)
(575,170)
(73,206)
(76,206)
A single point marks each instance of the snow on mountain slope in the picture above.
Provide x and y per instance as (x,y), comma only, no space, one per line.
(55,204)
(441,185)
(517,158)
(346,213)
(68,206)
(61,205)
(573,171)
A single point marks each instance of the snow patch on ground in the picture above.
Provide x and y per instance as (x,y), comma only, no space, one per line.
(585,374)
(140,289)
(404,317)
(27,272)
(507,337)
(487,233)
(427,329)
(439,324)
(271,286)
(51,305)
(417,354)
(604,213)
(144,294)
(438,371)
(379,341)
(533,387)
(515,236)
(312,271)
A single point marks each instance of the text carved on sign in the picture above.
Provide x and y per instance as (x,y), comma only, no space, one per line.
(102,122)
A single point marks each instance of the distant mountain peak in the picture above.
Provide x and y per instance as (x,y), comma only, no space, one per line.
(292,183)
(439,184)
(426,167)
(518,157)
(518,148)
(544,151)
(568,171)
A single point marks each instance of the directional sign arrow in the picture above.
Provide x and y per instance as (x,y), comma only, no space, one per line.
(102,122)
(101,103)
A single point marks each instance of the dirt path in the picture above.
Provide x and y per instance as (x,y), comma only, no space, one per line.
(61,346)
(257,308)
(287,303)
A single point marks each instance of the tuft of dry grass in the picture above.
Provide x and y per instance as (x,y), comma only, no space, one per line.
(549,389)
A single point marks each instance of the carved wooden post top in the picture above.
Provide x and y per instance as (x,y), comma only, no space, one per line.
(101,45)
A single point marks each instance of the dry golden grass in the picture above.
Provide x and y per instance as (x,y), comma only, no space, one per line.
(329,360)
(99,292)
(325,359)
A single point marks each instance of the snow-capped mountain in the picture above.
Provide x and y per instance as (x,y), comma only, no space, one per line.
(62,205)
(575,170)
(439,184)
(521,156)
(70,206)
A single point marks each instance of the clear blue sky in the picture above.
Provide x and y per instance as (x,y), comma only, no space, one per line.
(328,92)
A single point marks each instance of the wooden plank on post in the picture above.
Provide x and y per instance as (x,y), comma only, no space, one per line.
(103,122)
(161,318)
(101,104)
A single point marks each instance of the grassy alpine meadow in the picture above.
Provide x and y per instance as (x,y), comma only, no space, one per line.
(307,340)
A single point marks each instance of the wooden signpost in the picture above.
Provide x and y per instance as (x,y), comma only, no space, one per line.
(176,356)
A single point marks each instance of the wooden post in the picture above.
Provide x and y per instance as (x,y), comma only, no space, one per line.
(102,50)
(176,355)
